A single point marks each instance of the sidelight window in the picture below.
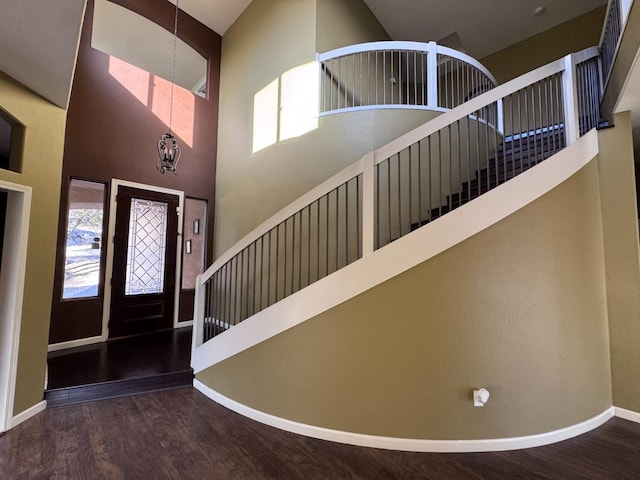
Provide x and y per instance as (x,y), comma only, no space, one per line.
(83,247)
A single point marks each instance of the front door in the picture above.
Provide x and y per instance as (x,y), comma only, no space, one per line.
(144,262)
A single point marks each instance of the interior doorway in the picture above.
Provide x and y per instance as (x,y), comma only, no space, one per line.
(16,210)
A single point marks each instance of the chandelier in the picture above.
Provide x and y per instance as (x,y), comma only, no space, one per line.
(168,149)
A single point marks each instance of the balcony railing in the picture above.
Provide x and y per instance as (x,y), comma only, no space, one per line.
(409,182)
(610,37)
(615,22)
(399,75)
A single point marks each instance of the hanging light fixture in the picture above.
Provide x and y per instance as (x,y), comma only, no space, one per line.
(168,149)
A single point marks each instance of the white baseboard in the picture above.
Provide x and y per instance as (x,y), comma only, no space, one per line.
(407,444)
(627,414)
(54,347)
(28,413)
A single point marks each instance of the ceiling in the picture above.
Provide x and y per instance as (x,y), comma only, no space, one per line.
(483,27)
(39,43)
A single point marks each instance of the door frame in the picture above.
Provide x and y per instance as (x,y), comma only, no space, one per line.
(12,278)
(106,306)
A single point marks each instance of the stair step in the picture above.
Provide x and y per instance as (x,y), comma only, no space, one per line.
(513,157)
(118,388)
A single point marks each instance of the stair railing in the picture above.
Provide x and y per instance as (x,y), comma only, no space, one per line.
(399,75)
(411,181)
(615,21)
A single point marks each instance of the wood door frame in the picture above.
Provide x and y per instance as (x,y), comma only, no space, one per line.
(12,278)
(106,306)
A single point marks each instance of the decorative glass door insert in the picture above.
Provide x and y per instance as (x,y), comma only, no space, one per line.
(147,244)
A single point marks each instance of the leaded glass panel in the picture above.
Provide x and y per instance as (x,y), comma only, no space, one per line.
(146,247)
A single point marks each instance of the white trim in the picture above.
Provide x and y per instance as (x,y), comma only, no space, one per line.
(384,106)
(371,47)
(625,7)
(368,207)
(115,184)
(81,342)
(627,414)
(28,413)
(407,444)
(570,98)
(12,278)
(399,256)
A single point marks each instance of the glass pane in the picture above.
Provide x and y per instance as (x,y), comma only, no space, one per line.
(84,239)
(146,247)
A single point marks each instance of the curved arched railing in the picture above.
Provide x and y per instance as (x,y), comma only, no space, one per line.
(399,75)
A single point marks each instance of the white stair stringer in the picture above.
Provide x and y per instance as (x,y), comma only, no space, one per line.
(400,255)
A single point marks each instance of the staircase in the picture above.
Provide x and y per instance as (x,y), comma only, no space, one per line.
(355,216)
(514,156)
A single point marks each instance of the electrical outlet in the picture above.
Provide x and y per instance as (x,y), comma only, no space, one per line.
(480,397)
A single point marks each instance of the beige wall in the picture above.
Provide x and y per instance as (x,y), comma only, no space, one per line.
(619,213)
(41,169)
(520,309)
(345,22)
(269,39)
(572,36)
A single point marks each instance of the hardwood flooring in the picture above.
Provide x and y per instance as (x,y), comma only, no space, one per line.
(180,434)
(143,355)
(144,363)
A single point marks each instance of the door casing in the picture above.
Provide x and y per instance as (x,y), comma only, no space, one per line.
(106,307)
(12,278)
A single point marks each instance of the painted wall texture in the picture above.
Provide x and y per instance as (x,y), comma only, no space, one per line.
(117,113)
(541,308)
(264,49)
(622,261)
(569,37)
(519,308)
(42,153)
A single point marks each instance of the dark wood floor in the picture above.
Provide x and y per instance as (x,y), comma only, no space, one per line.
(144,363)
(143,355)
(180,434)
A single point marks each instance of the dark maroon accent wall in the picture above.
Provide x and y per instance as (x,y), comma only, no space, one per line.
(110,134)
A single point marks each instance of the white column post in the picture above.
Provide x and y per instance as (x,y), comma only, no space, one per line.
(432,75)
(368,199)
(570,95)
(500,107)
(198,315)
